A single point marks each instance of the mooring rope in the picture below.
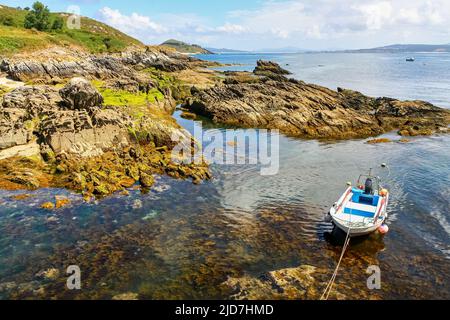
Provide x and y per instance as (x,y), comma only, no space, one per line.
(327,291)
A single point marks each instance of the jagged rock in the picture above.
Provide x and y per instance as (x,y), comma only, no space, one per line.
(25,70)
(155,59)
(47,153)
(81,133)
(32,99)
(23,150)
(13,134)
(301,109)
(91,66)
(146,180)
(80,94)
(69,124)
(268,67)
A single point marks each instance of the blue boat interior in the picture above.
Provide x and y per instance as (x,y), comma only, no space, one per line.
(360,197)
(360,213)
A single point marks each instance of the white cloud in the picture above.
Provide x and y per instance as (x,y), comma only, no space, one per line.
(132,24)
(377,14)
(231,28)
(345,22)
(316,24)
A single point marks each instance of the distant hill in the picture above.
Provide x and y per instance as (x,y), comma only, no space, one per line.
(93,36)
(224,50)
(281,50)
(183,47)
(406,48)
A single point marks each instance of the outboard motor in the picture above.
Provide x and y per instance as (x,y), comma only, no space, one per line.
(369,186)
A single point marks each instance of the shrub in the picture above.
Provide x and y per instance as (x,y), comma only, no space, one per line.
(38,17)
(58,23)
(8,21)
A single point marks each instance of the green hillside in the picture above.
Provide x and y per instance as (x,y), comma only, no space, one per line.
(183,47)
(93,36)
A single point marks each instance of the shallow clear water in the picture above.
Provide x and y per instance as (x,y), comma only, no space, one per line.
(183,241)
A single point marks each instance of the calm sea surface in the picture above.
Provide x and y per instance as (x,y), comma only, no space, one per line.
(183,241)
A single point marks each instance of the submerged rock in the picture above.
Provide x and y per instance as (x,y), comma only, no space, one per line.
(126,296)
(378,141)
(285,284)
(61,202)
(48,205)
(49,274)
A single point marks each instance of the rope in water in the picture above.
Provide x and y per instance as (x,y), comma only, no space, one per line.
(327,291)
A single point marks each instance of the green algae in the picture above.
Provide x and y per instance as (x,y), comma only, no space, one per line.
(166,82)
(122,98)
(4,90)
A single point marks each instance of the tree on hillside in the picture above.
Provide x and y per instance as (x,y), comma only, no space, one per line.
(58,23)
(38,17)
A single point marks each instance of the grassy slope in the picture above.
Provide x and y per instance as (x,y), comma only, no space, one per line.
(184,47)
(93,36)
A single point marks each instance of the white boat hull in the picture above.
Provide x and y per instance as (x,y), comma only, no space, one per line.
(357,232)
(356,225)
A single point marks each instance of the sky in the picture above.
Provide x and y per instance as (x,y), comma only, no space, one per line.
(263,24)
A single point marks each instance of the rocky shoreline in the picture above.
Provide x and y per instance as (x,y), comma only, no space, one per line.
(100,124)
(267,99)
(59,130)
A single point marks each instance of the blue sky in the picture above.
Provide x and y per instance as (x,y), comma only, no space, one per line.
(256,24)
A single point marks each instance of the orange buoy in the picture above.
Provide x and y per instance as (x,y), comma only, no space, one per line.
(383,229)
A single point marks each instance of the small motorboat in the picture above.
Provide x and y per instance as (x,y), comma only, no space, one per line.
(362,210)
(410,59)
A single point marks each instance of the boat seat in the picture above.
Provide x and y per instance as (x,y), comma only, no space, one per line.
(356,194)
(360,197)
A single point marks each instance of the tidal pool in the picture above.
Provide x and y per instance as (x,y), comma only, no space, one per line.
(183,241)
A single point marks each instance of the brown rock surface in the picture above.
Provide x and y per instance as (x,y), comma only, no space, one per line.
(307,110)
(301,283)
(80,94)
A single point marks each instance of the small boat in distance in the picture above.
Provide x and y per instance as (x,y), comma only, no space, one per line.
(410,59)
(362,210)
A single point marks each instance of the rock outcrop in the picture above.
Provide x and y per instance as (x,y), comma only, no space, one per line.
(80,94)
(90,66)
(84,146)
(265,68)
(69,121)
(301,109)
